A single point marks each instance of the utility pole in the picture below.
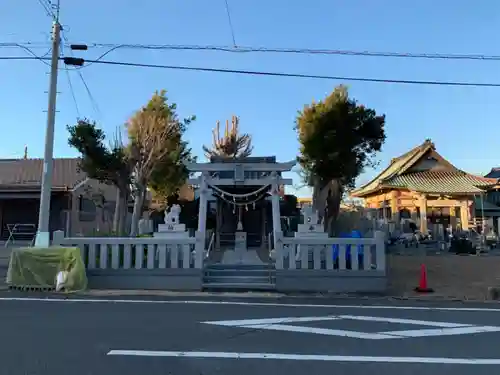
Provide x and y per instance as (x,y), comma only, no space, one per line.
(43,233)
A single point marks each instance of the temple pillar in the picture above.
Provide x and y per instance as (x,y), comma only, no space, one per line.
(395,207)
(464,214)
(453,219)
(423,213)
(202,215)
(384,211)
(275,203)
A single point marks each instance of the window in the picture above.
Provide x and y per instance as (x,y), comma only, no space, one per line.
(86,209)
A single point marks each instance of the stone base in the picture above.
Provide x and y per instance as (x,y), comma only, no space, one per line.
(308,228)
(171,227)
(167,235)
(240,242)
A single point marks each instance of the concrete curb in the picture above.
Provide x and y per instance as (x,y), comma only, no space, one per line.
(277,296)
(435,297)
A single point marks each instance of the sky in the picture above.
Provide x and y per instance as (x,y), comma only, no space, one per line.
(462,121)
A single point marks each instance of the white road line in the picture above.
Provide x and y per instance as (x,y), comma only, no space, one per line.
(307,357)
(237,303)
(284,324)
(257,322)
(325,331)
(403,321)
(443,331)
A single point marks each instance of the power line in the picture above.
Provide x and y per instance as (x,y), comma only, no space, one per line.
(47,7)
(249,49)
(89,93)
(304,51)
(51,9)
(31,52)
(231,28)
(87,89)
(72,91)
(44,59)
(25,44)
(277,74)
(297,75)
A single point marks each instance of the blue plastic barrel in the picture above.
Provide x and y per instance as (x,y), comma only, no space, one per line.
(353,234)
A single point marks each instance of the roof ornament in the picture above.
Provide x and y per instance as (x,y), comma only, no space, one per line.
(428,141)
(25,152)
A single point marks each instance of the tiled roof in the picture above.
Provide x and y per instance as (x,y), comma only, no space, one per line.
(453,182)
(483,204)
(27,173)
(494,173)
(397,165)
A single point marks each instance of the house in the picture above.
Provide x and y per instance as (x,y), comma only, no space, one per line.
(79,205)
(424,186)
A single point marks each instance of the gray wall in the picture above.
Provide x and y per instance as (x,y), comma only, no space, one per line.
(331,281)
(147,279)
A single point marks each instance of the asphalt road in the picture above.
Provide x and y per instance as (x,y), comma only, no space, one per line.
(172,337)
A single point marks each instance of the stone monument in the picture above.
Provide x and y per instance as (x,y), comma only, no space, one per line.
(310,229)
(172,227)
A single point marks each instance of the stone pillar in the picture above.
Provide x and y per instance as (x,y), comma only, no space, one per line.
(423,214)
(464,214)
(275,202)
(263,218)
(218,224)
(202,215)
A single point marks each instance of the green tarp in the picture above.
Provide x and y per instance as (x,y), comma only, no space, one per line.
(39,267)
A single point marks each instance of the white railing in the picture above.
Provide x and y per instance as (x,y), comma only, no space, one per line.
(352,254)
(136,253)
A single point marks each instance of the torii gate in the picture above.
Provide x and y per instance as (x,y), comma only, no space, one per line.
(208,179)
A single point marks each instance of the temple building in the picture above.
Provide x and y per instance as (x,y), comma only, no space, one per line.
(423,186)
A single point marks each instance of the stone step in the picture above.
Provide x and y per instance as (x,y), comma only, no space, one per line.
(222,287)
(239,272)
(218,266)
(239,279)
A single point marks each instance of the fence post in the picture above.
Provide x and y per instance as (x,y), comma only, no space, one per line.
(199,249)
(57,238)
(278,250)
(380,250)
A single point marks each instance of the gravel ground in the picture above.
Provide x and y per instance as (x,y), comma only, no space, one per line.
(454,276)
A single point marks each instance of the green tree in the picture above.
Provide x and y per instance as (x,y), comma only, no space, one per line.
(232,144)
(108,165)
(338,138)
(157,151)
(171,173)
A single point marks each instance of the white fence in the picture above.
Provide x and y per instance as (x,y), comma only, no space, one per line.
(353,254)
(136,253)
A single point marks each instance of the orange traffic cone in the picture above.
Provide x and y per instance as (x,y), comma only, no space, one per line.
(422,284)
